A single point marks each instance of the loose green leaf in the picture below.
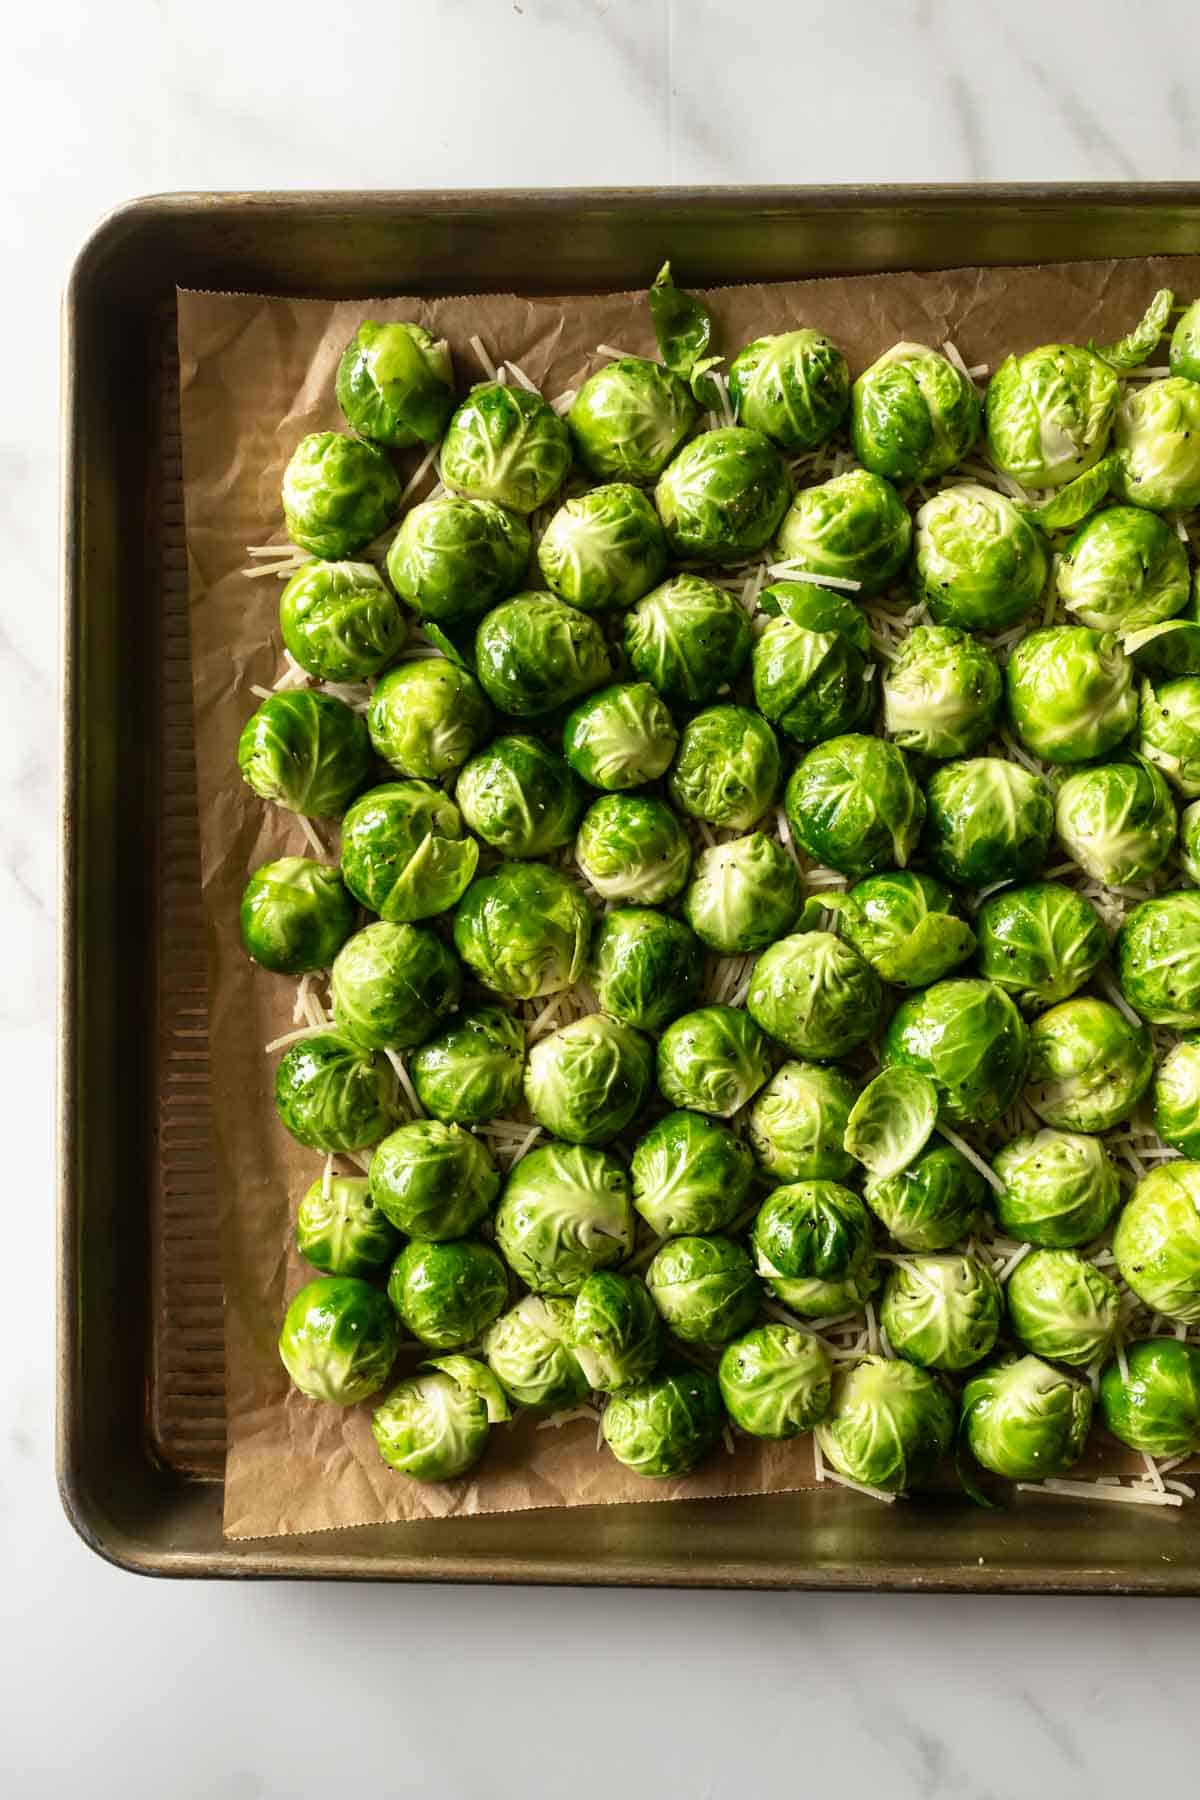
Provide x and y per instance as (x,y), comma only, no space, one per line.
(1072,504)
(891,1121)
(704,388)
(440,641)
(478,1379)
(683,328)
(1131,351)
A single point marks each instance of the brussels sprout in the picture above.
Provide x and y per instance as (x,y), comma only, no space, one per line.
(629,418)
(339,1340)
(431,1427)
(392,985)
(534,653)
(1157,1410)
(1189,841)
(815,1298)
(1060,1188)
(616,1332)
(727,767)
(446,1294)
(603,550)
(905,926)
(978,564)
(891,1121)
(793,387)
(705,1288)
(913,415)
(405,854)
(341,1231)
(338,494)
(586,1081)
(1185,344)
(529,1350)
(1158,959)
(889,1424)
(690,1175)
(1041,942)
(664,1427)
(648,968)
(932,1203)
(306,751)
(1063,1307)
(1116,820)
(941,694)
(776,1381)
(1049,414)
(1124,570)
(471,1071)
(395,384)
(564,1214)
(621,737)
(1169,731)
(1177,1098)
(969,1039)
(814,995)
(712,1060)
(1088,1067)
(333,1095)
(810,666)
(520,798)
(688,638)
(743,894)
(1070,693)
(433,1181)
(853,804)
(454,559)
(524,928)
(1024,1419)
(942,1312)
(426,717)
(798,1121)
(339,621)
(631,847)
(723,495)
(1157,441)
(811,1229)
(853,528)
(987,820)
(507,445)
(295,915)
(1157,1241)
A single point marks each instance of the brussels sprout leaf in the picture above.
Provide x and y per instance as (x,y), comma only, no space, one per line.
(682,326)
(891,1121)
(478,1379)
(814,907)
(1173,646)
(1072,504)
(966,1473)
(440,641)
(704,388)
(1131,351)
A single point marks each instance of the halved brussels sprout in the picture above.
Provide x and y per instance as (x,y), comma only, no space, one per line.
(338,494)
(1088,1066)
(666,1426)
(453,559)
(1039,943)
(688,638)
(1157,442)
(987,820)
(446,1294)
(913,414)
(530,1352)
(1177,1098)
(1070,693)
(339,1340)
(341,1231)
(1024,1419)
(431,1427)
(632,847)
(727,767)
(1158,959)
(1116,820)
(333,1095)
(535,653)
(647,967)
(932,1203)
(393,984)
(621,737)
(1157,1409)
(507,445)
(712,1060)
(339,621)
(395,384)
(1060,1188)
(743,894)
(521,798)
(1185,344)
(852,803)
(969,1039)
(705,1288)
(1063,1307)
(798,1122)
(603,550)
(690,1175)
(978,563)
(306,751)
(616,1332)
(405,854)
(586,1081)
(889,1424)
(524,929)
(1157,1241)
(1050,413)
(1169,731)
(723,496)
(471,1071)
(564,1214)
(853,528)
(1124,569)
(776,1381)
(810,664)
(295,915)
(629,418)
(815,995)
(942,1312)
(433,1181)
(891,1121)
(427,717)
(941,693)
(793,387)
(811,1230)
(905,926)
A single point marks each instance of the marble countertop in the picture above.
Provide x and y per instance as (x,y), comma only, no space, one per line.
(113,1686)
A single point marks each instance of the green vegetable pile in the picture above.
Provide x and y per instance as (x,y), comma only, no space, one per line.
(759,988)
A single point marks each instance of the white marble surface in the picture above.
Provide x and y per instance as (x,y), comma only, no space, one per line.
(111,1686)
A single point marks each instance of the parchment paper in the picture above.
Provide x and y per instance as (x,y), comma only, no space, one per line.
(256,375)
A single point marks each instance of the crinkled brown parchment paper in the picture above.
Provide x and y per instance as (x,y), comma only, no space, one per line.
(256,375)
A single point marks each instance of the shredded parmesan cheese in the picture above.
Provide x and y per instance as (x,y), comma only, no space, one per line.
(1098,1490)
(489,367)
(860,1487)
(315,844)
(406,1086)
(295,1037)
(964,1149)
